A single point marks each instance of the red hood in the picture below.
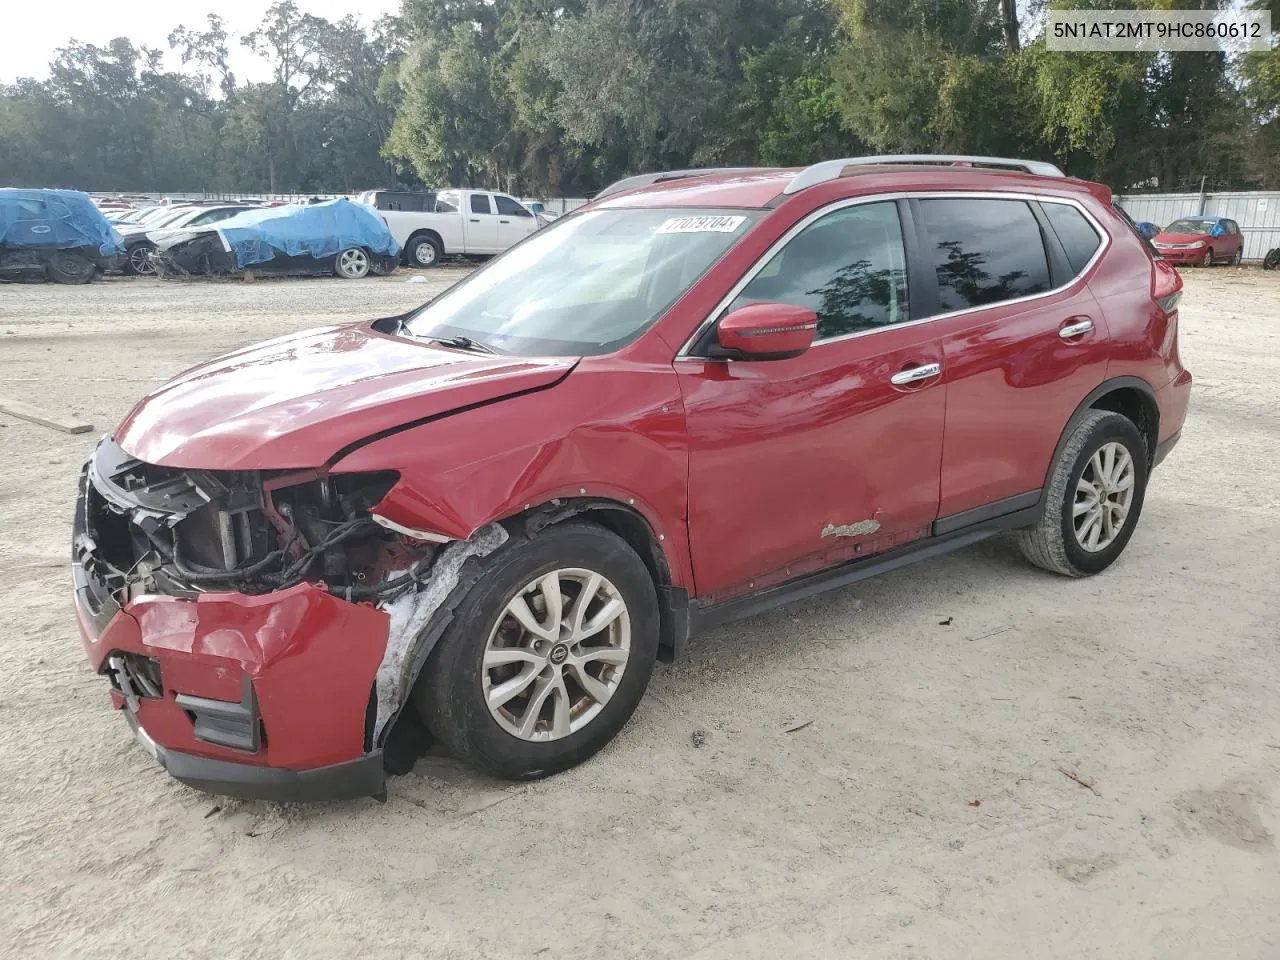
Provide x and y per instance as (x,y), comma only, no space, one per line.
(296,401)
(1180,237)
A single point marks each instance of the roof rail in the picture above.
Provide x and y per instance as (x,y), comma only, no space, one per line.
(645,179)
(833,169)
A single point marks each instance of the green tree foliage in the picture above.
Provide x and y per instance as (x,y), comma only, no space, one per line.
(562,96)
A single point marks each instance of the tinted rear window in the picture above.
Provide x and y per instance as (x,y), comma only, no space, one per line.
(985,251)
(1075,233)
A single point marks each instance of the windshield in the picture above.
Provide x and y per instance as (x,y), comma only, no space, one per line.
(586,285)
(1200,228)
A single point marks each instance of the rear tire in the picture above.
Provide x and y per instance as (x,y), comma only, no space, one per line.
(425,252)
(588,686)
(1088,518)
(1235,261)
(67,267)
(1272,260)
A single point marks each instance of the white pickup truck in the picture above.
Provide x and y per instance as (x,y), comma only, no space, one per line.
(469,222)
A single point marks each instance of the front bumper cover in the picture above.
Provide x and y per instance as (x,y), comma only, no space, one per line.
(364,777)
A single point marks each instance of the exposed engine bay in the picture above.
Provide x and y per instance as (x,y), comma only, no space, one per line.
(152,529)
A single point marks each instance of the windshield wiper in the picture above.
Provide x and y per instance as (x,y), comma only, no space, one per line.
(464,343)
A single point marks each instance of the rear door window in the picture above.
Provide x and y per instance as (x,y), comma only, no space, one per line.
(984,251)
(1080,241)
(480,203)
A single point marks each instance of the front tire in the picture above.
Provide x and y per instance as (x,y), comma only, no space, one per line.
(138,262)
(1093,499)
(527,681)
(1207,259)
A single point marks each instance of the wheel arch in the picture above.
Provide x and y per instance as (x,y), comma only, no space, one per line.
(633,527)
(1131,397)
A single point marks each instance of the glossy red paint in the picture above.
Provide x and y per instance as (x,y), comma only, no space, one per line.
(311,657)
(748,473)
(770,331)
(296,401)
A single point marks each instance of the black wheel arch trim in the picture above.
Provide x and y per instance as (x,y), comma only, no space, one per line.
(1096,394)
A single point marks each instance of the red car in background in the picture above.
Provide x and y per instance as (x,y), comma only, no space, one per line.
(703,394)
(1202,241)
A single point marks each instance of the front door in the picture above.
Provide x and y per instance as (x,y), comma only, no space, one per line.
(800,464)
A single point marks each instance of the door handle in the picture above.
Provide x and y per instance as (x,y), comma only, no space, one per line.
(1077,329)
(915,374)
(504,221)
(474,220)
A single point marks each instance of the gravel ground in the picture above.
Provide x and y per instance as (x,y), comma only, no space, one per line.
(1064,769)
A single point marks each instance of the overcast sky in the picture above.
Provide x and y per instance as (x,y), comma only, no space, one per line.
(33,31)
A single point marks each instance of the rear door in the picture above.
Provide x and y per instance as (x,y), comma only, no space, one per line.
(514,221)
(480,224)
(31,228)
(1023,341)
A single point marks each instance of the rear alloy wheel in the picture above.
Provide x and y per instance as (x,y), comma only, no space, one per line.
(1207,259)
(424,252)
(67,267)
(546,657)
(352,264)
(1235,261)
(139,259)
(1093,499)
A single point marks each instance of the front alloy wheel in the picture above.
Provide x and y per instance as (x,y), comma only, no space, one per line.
(1207,259)
(556,655)
(546,655)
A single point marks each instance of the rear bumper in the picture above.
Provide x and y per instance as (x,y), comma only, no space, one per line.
(1173,401)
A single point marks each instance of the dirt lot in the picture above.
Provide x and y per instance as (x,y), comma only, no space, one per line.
(1065,769)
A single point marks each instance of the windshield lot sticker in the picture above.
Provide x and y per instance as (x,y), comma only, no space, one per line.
(702,225)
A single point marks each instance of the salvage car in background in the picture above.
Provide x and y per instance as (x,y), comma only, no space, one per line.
(330,237)
(54,234)
(140,241)
(1202,241)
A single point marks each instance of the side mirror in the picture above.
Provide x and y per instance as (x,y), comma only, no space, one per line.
(766,331)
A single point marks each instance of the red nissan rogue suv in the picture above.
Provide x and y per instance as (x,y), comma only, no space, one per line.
(703,394)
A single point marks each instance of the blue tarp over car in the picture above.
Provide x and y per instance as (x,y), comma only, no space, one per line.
(316,230)
(57,219)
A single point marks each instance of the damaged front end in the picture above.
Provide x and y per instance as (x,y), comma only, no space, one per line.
(267,620)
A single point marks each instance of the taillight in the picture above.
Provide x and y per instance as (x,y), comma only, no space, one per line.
(1166,285)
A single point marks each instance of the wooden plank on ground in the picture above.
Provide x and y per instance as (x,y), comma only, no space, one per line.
(24,411)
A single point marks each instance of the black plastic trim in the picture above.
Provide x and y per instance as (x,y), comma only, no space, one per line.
(988,511)
(1164,447)
(704,618)
(1096,394)
(364,777)
(1060,272)
(225,723)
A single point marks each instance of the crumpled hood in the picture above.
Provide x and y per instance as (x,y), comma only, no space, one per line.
(294,402)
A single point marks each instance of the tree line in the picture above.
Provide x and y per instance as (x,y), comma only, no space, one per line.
(559,97)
